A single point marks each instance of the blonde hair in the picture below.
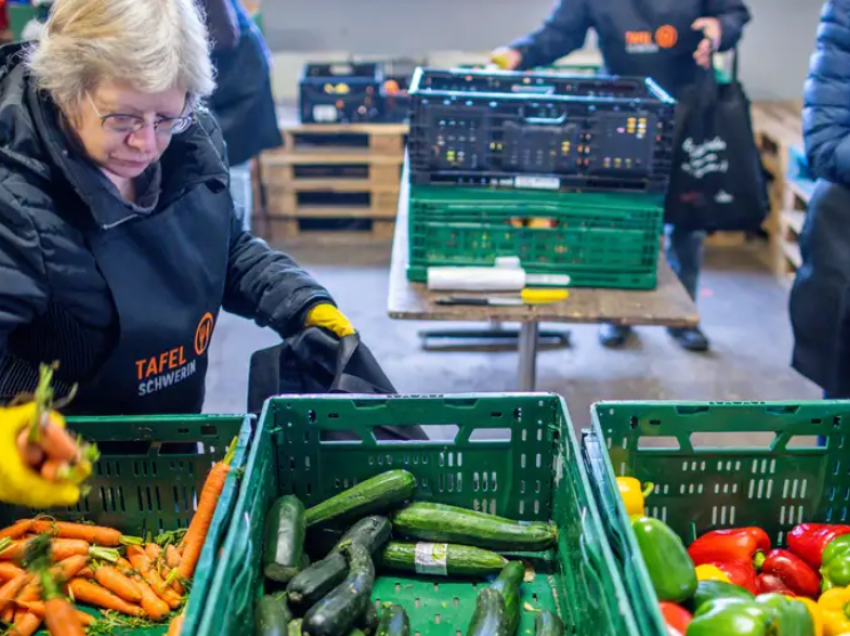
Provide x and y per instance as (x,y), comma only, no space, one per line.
(153,45)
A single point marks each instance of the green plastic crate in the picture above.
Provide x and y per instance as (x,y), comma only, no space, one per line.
(537,474)
(599,240)
(702,485)
(148,478)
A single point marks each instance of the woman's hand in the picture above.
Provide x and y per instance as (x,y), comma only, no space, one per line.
(506,58)
(331,318)
(712,31)
(20,484)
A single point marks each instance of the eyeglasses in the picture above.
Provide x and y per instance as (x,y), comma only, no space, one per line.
(128,124)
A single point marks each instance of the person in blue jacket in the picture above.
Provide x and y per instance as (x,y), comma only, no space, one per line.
(820,297)
(671,41)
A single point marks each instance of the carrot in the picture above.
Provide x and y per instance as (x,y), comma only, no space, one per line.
(120,585)
(93,594)
(172,556)
(95,535)
(61,549)
(8,571)
(200,525)
(141,562)
(153,551)
(38,608)
(26,624)
(16,530)
(62,572)
(58,443)
(12,550)
(175,626)
(31,452)
(54,470)
(62,619)
(10,591)
(156,609)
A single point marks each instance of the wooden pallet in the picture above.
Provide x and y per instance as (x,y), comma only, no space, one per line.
(796,193)
(327,231)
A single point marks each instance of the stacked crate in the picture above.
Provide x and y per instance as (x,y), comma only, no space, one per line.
(567,172)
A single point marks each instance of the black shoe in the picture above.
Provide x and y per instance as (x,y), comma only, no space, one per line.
(690,339)
(613,336)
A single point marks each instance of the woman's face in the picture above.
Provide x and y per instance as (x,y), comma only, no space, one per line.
(125,131)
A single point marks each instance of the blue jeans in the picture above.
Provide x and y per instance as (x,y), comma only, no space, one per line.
(684,253)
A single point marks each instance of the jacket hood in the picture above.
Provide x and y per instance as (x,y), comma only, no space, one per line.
(32,142)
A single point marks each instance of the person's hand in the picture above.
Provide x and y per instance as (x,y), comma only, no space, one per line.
(20,484)
(506,58)
(331,318)
(712,31)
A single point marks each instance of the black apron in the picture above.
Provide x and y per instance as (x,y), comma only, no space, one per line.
(167,284)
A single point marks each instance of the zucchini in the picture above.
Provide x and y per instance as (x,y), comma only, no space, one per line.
(337,613)
(508,585)
(394,621)
(371,532)
(272,616)
(440,559)
(450,524)
(368,621)
(489,617)
(382,492)
(294,628)
(547,623)
(283,550)
(313,583)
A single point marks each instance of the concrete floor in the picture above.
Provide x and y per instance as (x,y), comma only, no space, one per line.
(743,309)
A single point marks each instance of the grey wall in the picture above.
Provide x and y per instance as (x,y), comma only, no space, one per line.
(774,54)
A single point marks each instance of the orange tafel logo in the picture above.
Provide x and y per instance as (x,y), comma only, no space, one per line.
(666,36)
(203,334)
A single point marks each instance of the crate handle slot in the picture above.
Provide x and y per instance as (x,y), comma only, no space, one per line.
(540,89)
(546,121)
(763,440)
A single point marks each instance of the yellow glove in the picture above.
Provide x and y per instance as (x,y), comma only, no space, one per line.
(19,484)
(331,318)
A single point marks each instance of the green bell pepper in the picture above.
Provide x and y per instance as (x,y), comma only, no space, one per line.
(670,567)
(734,617)
(835,564)
(794,618)
(712,590)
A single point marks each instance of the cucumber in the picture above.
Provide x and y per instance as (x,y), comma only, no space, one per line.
(440,559)
(283,550)
(394,621)
(272,616)
(508,585)
(548,624)
(382,492)
(337,613)
(313,583)
(489,617)
(450,524)
(368,621)
(294,628)
(371,532)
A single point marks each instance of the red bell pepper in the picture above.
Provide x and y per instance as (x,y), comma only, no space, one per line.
(738,544)
(808,540)
(676,618)
(740,573)
(770,583)
(793,572)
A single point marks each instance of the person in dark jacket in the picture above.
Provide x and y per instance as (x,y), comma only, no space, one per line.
(119,245)
(820,297)
(671,41)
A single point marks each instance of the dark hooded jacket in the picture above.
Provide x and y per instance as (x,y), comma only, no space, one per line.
(55,302)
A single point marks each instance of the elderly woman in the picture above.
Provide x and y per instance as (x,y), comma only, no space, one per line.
(119,244)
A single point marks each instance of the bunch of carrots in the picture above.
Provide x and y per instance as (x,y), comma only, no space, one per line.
(44,563)
(47,447)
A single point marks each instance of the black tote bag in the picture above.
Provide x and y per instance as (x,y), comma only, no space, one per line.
(717,182)
(315,361)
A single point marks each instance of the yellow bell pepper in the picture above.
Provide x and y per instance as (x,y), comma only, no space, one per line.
(814,611)
(712,573)
(835,606)
(633,496)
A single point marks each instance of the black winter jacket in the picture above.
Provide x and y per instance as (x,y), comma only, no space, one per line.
(649,38)
(54,302)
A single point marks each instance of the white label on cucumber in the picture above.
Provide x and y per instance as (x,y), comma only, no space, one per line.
(542,183)
(431,558)
(324,113)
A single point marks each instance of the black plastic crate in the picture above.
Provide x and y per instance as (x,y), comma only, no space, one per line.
(395,100)
(540,130)
(345,92)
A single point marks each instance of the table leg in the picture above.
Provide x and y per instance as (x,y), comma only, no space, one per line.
(528,356)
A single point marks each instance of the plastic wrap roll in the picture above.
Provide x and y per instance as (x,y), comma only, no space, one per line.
(482,279)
